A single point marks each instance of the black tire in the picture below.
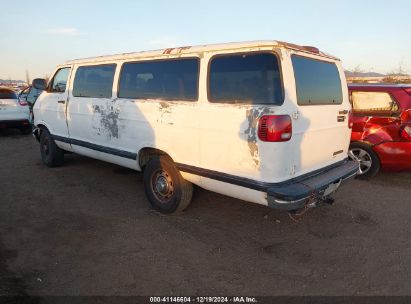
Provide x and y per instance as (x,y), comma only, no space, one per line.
(51,155)
(26,130)
(368,160)
(165,188)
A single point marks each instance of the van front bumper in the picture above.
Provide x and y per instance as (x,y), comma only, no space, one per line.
(308,189)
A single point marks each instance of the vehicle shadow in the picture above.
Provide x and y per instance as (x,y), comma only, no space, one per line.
(395,179)
(7,132)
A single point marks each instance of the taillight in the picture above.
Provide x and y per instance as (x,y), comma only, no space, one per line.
(350,119)
(23,103)
(405,132)
(275,128)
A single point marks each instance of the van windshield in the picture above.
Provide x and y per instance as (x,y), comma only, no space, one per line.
(318,82)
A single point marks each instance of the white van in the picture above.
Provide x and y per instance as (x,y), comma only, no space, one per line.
(267,122)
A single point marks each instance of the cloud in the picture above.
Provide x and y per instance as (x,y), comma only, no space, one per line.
(66,31)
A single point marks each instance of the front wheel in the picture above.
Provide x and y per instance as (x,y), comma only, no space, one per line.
(369,163)
(51,155)
(166,190)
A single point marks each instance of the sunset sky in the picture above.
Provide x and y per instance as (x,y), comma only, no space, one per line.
(37,35)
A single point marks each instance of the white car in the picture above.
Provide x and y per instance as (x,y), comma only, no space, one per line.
(267,122)
(14,113)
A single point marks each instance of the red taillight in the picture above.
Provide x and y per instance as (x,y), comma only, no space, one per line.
(23,103)
(405,132)
(350,119)
(275,128)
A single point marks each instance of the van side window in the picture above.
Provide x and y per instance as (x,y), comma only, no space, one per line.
(175,79)
(373,102)
(94,81)
(245,78)
(318,82)
(59,82)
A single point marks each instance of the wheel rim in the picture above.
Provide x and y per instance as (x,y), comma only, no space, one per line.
(363,158)
(162,186)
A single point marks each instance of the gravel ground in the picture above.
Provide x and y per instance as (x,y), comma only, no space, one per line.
(86,229)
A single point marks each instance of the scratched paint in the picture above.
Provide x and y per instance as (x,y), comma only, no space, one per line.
(164,110)
(105,122)
(253,116)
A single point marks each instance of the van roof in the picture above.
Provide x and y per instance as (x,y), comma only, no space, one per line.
(204,48)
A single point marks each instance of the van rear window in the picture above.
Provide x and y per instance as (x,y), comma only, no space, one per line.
(94,81)
(175,79)
(318,82)
(252,78)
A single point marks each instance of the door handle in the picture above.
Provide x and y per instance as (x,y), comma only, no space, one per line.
(61,101)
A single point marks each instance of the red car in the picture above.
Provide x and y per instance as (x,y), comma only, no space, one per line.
(381,134)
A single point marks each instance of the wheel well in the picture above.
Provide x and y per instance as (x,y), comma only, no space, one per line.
(364,142)
(146,153)
(37,132)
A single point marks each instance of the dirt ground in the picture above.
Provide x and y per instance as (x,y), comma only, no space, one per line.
(86,229)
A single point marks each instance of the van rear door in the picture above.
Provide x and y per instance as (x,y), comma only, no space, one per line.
(320,127)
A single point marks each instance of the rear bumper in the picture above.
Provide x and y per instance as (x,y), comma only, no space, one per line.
(296,193)
(17,123)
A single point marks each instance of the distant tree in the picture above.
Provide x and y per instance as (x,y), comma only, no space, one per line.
(396,75)
(357,74)
(357,71)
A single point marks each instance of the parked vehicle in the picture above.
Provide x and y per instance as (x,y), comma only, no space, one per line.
(381,137)
(267,122)
(13,112)
(29,95)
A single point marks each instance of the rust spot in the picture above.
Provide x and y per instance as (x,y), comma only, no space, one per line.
(165,108)
(168,51)
(164,105)
(183,48)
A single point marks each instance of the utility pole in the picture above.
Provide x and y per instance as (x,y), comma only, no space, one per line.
(27,77)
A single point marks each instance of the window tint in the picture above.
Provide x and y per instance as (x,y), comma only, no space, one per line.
(7,94)
(245,78)
(318,82)
(60,80)
(94,81)
(373,102)
(166,79)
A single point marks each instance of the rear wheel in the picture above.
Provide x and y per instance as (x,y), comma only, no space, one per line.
(51,155)
(166,190)
(369,163)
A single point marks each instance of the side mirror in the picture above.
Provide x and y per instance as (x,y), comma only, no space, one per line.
(39,83)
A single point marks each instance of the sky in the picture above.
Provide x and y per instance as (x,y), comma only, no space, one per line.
(37,35)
